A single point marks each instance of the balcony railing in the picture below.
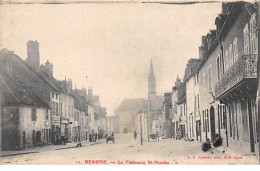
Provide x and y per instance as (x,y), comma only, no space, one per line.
(245,67)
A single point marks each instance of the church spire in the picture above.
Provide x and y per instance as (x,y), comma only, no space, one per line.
(151,68)
(151,81)
(151,76)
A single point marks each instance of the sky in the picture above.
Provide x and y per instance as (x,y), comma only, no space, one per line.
(108,46)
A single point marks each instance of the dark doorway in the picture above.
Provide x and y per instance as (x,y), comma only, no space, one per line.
(24,140)
(38,137)
(212,123)
(47,136)
(251,131)
(33,138)
(198,130)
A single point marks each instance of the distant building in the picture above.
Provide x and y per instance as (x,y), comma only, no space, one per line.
(126,112)
(115,122)
(167,116)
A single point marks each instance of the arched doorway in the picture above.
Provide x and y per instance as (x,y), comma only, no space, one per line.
(212,123)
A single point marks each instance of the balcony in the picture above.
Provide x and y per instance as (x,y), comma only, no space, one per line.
(245,68)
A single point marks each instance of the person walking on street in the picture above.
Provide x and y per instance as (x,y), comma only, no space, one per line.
(135,135)
(95,137)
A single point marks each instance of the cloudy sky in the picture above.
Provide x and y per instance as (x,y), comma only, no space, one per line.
(110,43)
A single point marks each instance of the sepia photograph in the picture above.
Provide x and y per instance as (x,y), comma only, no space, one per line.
(129,82)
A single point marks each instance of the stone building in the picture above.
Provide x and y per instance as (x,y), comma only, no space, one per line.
(26,109)
(193,117)
(236,68)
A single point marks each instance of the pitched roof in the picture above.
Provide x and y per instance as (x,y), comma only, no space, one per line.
(22,85)
(15,93)
(80,101)
(181,92)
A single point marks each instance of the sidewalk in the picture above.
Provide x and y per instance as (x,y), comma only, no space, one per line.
(49,148)
(232,153)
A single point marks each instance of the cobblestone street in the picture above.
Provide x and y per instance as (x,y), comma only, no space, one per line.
(126,150)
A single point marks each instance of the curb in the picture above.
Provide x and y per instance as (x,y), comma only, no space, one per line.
(63,148)
(7,155)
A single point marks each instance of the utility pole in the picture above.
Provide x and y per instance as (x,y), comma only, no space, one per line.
(140,113)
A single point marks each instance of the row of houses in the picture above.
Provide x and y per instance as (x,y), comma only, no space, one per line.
(37,109)
(218,96)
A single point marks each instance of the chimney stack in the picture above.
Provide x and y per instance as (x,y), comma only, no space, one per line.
(33,54)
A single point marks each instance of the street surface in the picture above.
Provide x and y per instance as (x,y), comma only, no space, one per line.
(126,150)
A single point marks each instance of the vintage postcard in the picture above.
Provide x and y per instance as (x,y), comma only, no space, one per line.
(129,82)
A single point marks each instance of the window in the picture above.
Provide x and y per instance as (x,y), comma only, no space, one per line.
(56,96)
(246,39)
(197,74)
(57,109)
(181,110)
(66,113)
(209,79)
(195,104)
(69,111)
(203,81)
(253,37)
(218,68)
(226,61)
(198,101)
(184,109)
(52,95)
(235,49)
(222,65)
(231,55)
(203,120)
(53,108)
(34,114)
(61,109)
(46,114)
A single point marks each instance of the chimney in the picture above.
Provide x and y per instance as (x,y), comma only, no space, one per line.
(90,95)
(178,81)
(33,54)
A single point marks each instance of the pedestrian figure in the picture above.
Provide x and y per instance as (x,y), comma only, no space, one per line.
(112,134)
(90,138)
(207,146)
(135,135)
(95,137)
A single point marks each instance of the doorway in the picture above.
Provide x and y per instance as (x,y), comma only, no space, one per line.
(212,123)
(33,138)
(24,140)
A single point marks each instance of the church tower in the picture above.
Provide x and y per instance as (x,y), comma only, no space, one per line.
(151,82)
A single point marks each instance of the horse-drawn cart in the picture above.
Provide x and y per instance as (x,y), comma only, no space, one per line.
(153,137)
